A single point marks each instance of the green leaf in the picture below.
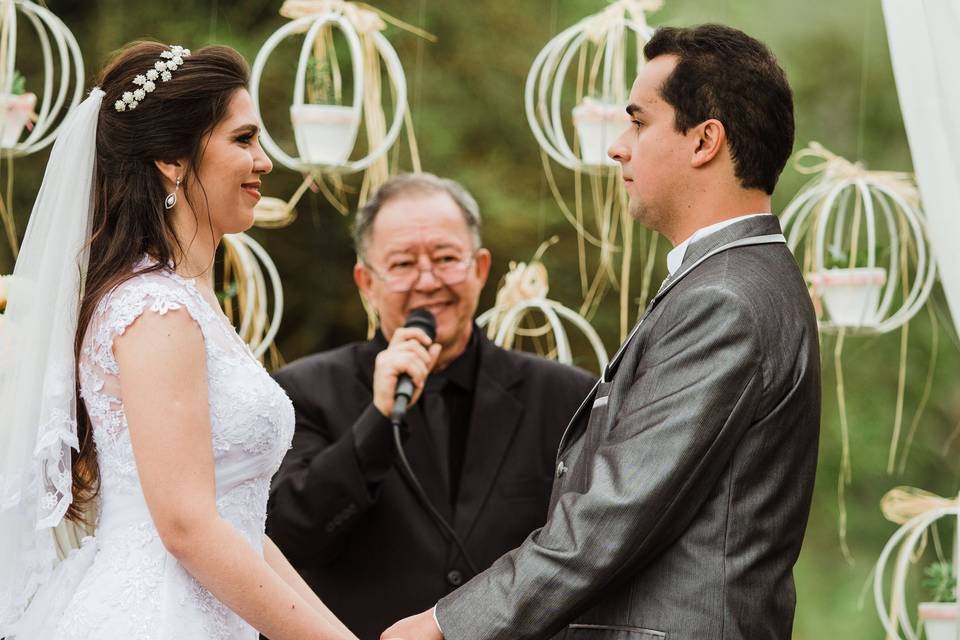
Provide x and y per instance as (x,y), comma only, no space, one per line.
(19,86)
(940,582)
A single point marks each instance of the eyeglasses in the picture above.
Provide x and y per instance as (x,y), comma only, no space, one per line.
(401,275)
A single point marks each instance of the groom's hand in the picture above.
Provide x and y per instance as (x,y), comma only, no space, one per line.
(422,626)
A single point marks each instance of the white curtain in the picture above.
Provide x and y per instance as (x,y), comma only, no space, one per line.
(924,38)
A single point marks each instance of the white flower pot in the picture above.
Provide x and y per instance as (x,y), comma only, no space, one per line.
(851,297)
(325,133)
(939,620)
(15,112)
(598,124)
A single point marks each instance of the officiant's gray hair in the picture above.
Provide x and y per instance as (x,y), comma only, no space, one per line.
(420,184)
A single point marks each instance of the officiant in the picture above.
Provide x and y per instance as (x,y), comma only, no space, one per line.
(482,437)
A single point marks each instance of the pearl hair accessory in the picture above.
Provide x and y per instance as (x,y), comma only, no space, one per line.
(170,61)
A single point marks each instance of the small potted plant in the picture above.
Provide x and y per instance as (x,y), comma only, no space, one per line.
(325,132)
(939,614)
(850,295)
(16,111)
(598,124)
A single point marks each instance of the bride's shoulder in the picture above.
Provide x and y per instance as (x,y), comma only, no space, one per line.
(148,288)
(169,300)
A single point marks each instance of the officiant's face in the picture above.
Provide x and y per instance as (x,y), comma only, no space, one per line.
(421,255)
(655,157)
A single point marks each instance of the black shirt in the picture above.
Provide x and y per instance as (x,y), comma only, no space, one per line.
(375,453)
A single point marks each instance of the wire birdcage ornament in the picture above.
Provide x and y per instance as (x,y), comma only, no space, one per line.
(598,49)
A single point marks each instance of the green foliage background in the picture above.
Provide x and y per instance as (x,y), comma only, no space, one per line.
(466,95)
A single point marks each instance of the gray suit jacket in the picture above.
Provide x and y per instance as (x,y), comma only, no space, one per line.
(684,483)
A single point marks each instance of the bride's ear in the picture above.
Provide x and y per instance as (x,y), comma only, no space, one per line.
(172,171)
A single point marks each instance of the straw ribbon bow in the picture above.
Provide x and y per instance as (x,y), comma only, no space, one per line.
(364,18)
(523,282)
(597,26)
(902,504)
(834,167)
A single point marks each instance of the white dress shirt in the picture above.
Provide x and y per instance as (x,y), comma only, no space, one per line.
(675,257)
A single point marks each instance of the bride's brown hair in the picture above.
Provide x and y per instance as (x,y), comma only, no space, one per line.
(129,219)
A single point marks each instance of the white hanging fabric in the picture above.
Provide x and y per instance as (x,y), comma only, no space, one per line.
(924,37)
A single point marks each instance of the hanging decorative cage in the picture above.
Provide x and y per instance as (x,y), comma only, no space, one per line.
(602,84)
(62,66)
(326,133)
(62,84)
(918,513)
(861,238)
(861,241)
(604,53)
(325,126)
(522,297)
(247,291)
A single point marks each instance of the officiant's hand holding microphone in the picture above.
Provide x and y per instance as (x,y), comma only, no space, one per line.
(411,353)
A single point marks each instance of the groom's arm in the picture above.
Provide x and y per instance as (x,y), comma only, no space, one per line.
(694,393)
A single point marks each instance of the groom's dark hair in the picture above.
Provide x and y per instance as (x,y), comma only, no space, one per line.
(724,74)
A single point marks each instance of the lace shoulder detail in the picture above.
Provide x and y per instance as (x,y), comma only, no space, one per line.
(156,291)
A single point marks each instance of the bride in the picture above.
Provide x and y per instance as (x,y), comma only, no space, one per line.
(131,404)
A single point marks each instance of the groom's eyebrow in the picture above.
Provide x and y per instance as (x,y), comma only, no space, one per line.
(634,110)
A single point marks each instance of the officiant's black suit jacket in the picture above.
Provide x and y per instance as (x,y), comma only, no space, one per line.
(372,553)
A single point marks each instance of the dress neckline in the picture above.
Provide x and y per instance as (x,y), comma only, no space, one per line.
(216,312)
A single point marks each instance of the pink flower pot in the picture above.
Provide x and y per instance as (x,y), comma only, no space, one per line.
(598,124)
(939,620)
(15,113)
(851,297)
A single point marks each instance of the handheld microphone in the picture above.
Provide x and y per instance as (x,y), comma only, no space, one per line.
(418,319)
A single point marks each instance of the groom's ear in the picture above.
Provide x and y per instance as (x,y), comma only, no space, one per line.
(171,170)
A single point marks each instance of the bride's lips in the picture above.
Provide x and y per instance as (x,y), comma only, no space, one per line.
(252,188)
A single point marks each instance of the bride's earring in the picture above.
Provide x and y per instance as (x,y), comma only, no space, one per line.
(171,198)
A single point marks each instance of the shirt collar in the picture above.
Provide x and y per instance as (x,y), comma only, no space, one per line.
(675,257)
(462,372)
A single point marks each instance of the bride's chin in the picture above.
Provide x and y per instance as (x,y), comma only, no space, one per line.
(241,223)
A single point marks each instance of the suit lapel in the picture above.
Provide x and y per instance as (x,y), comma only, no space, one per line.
(494,420)
(366,356)
(580,417)
(758,226)
(751,227)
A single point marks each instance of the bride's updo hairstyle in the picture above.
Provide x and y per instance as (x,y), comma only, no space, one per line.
(168,123)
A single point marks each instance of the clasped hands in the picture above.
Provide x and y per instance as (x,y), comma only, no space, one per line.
(422,626)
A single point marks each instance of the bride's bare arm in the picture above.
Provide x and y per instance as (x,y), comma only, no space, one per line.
(279,563)
(163,380)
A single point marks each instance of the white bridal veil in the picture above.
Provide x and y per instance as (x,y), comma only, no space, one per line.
(38,413)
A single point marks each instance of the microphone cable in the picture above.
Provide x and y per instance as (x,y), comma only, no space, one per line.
(441,522)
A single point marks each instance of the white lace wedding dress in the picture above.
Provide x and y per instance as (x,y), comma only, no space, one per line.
(123,584)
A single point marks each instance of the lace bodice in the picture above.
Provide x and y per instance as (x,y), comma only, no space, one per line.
(135,589)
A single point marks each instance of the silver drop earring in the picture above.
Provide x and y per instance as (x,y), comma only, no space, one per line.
(171,198)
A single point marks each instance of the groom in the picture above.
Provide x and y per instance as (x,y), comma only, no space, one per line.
(683,483)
